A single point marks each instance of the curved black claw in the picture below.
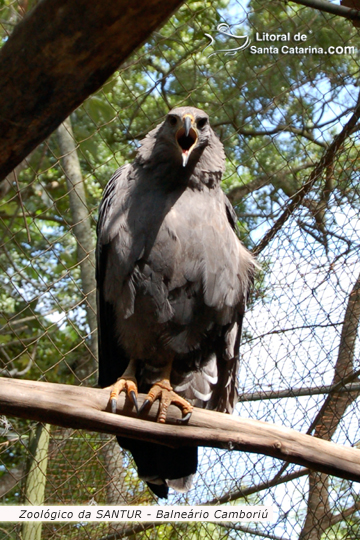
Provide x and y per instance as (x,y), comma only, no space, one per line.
(113,403)
(184,419)
(134,400)
(144,405)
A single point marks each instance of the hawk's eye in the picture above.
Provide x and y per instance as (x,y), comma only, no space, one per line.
(172,120)
(201,123)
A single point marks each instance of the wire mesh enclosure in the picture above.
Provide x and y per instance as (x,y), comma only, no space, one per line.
(280,82)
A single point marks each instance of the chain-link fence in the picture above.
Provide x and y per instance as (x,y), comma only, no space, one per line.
(279,82)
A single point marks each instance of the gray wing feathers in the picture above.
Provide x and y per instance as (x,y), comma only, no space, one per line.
(211,253)
(225,267)
(112,204)
(125,247)
(195,253)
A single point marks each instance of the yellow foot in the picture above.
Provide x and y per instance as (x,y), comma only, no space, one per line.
(128,384)
(163,390)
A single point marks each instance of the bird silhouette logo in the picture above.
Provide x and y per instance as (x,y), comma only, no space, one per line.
(225,30)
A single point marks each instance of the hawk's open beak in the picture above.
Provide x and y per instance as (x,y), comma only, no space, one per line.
(187,125)
(186,138)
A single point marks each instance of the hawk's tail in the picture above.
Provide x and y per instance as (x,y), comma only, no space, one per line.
(162,467)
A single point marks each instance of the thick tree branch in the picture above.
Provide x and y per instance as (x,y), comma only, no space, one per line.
(295,392)
(281,178)
(248,530)
(85,408)
(325,162)
(64,52)
(35,216)
(280,128)
(348,512)
(131,531)
(250,490)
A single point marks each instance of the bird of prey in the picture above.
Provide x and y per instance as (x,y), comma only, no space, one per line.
(172,283)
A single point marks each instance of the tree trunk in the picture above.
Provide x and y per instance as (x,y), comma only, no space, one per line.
(85,255)
(318,517)
(113,462)
(36,478)
(83,234)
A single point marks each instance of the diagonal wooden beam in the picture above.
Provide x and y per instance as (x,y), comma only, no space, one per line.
(62,52)
(348,9)
(86,408)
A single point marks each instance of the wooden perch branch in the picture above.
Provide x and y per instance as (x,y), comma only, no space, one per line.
(86,408)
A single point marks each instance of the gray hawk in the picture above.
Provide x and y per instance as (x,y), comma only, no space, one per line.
(172,283)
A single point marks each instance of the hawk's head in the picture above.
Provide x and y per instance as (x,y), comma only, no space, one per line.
(190,129)
(184,142)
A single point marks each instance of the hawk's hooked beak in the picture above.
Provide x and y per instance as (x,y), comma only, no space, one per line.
(187,137)
(187,125)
